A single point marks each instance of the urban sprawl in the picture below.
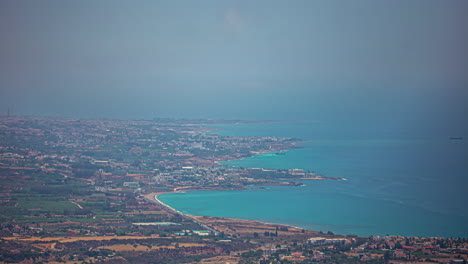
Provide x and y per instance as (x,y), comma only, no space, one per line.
(85,191)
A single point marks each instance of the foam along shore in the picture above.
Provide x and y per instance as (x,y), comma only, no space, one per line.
(154,197)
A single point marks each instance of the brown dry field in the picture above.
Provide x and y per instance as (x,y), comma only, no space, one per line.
(74,239)
(87,260)
(45,245)
(130,247)
(247,227)
(221,259)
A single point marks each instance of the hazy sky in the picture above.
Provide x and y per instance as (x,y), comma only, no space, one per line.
(364,60)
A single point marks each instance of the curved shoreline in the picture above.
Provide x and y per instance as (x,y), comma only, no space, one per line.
(153,197)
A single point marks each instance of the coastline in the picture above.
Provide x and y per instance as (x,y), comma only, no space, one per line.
(153,197)
(219,162)
(205,221)
(293,145)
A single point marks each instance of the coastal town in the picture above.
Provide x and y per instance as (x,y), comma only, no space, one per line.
(85,191)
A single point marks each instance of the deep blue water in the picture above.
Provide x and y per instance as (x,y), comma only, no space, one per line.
(398,183)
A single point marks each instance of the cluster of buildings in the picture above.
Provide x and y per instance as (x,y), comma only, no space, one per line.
(111,164)
(399,249)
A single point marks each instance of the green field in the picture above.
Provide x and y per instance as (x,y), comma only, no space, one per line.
(50,206)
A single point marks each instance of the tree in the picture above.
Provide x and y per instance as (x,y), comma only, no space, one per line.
(255,234)
(387,256)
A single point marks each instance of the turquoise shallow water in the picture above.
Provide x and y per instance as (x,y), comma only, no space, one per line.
(401,185)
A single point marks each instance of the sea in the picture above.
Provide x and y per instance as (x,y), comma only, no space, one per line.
(397,184)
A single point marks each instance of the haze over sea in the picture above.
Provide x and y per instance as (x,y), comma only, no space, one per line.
(397,184)
(386,79)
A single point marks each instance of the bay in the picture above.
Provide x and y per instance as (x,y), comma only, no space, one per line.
(399,184)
